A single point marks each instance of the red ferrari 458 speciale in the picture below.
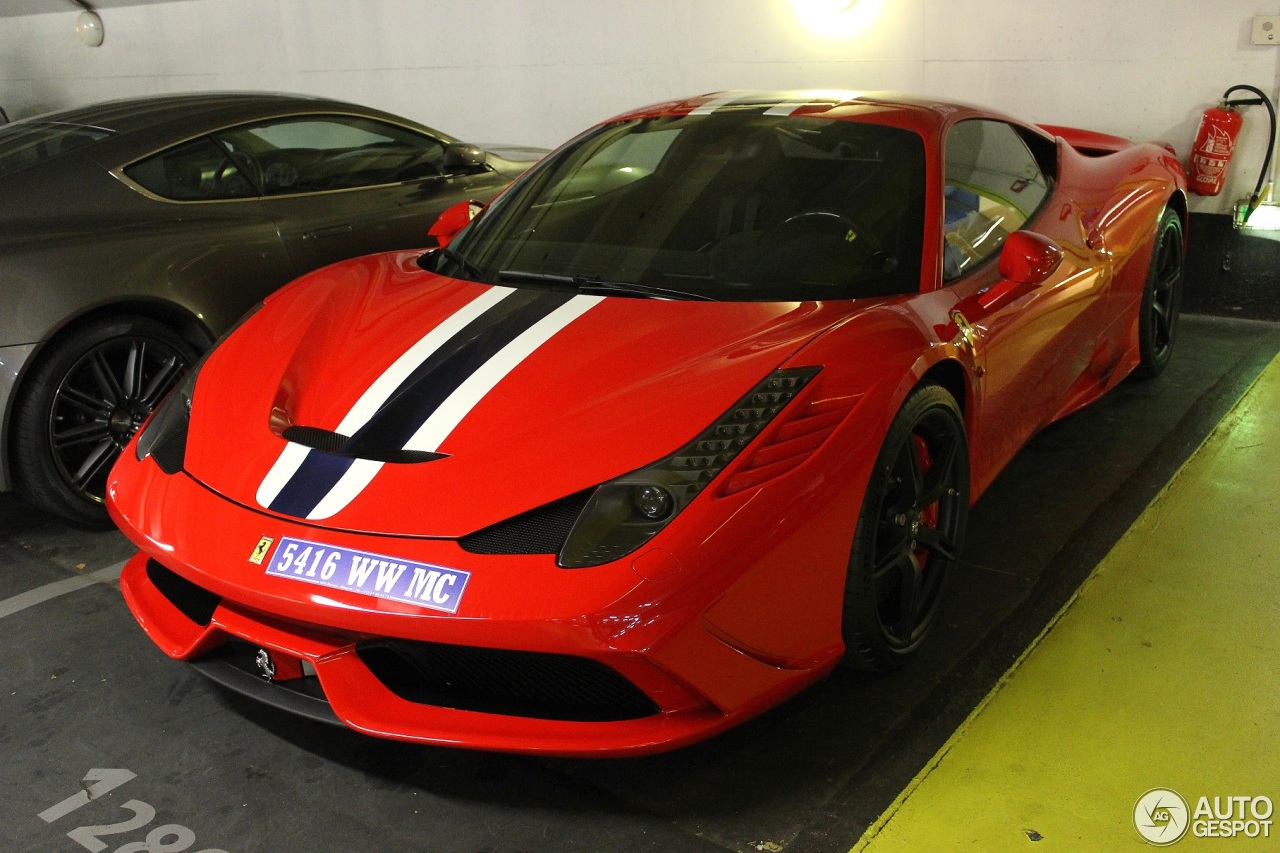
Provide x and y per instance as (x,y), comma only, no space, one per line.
(689,415)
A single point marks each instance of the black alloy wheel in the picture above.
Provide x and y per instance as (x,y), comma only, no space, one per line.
(909,533)
(83,403)
(1161,299)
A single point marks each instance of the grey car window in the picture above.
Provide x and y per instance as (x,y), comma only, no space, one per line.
(199,170)
(27,143)
(318,153)
(993,186)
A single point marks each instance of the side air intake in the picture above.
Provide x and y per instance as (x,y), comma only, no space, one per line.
(792,443)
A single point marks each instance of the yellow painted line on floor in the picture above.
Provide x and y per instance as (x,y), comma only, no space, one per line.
(1163,671)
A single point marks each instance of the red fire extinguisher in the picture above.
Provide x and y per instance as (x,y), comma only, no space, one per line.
(1211,154)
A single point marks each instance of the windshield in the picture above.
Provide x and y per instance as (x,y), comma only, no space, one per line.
(732,205)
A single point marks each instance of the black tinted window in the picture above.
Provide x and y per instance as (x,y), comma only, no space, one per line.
(993,186)
(734,205)
(199,170)
(27,143)
(316,153)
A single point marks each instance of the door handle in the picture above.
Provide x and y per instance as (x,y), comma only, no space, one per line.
(331,231)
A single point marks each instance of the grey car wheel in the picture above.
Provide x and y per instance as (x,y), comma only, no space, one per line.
(83,402)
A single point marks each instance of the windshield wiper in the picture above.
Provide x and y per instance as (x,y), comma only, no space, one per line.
(593,285)
(445,252)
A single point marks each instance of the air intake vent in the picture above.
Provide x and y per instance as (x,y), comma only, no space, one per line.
(171,450)
(792,443)
(499,681)
(195,602)
(538,531)
(336,444)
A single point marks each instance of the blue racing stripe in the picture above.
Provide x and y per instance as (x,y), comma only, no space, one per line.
(318,473)
(426,388)
(420,394)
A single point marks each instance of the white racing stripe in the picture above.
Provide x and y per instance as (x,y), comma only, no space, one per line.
(457,405)
(286,465)
(386,384)
(442,421)
(716,103)
(815,96)
(293,455)
(786,108)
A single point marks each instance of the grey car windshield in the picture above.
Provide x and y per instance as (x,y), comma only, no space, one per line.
(738,206)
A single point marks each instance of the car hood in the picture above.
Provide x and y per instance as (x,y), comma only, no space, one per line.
(512,160)
(508,398)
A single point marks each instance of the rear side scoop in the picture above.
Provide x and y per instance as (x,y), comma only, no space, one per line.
(1088,142)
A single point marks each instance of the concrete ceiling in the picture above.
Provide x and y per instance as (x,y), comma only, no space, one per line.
(16,8)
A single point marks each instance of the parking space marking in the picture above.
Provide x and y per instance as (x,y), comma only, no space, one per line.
(104,781)
(90,836)
(41,594)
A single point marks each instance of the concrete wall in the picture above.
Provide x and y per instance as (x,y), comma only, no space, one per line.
(537,71)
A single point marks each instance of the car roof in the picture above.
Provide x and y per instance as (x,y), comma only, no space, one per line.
(918,112)
(200,111)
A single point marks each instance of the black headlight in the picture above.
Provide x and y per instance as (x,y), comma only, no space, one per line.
(624,513)
(164,438)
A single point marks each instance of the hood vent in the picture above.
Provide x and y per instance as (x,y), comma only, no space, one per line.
(337,444)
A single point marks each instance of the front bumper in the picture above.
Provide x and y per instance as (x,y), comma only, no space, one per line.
(545,627)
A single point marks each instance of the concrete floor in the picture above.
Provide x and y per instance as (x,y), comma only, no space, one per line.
(85,691)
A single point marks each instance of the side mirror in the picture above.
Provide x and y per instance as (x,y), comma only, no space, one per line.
(453,220)
(1026,261)
(1028,258)
(463,158)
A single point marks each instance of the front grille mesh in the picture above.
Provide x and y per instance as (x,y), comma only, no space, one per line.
(171,450)
(500,681)
(538,531)
(195,602)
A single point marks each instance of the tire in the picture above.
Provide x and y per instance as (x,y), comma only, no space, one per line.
(909,533)
(1161,299)
(87,395)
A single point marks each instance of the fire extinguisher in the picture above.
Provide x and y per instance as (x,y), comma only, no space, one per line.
(1211,154)
(1216,139)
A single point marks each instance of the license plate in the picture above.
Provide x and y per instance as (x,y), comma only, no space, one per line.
(392,578)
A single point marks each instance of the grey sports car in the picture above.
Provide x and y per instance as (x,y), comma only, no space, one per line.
(135,232)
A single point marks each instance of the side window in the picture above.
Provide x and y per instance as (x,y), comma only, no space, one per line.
(317,153)
(33,142)
(198,170)
(993,185)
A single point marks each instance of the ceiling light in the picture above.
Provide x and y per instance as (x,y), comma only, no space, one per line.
(89,26)
(837,18)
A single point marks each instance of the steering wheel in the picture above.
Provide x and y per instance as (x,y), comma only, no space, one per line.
(835,223)
(823,216)
(241,165)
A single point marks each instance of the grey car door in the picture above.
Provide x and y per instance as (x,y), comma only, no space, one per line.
(200,237)
(338,186)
